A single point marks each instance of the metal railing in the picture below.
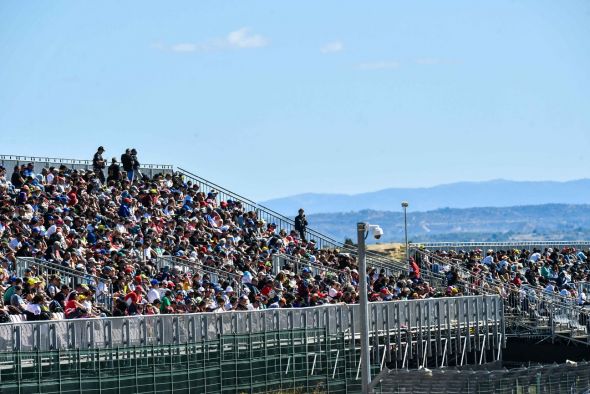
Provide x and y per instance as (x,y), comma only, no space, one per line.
(279,260)
(495,246)
(287,361)
(216,275)
(270,216)
(434,321)
(547,379)
(71,277)
(528,307)
(9,161)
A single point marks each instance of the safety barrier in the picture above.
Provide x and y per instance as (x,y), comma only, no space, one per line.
(70,277)
(9,161)
(438,323)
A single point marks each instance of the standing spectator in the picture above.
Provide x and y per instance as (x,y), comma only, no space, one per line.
(127,162)
(98,164)
(135,163)
(17,179)
(114,171)
(301,224)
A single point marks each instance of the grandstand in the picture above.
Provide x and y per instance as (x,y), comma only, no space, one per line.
(548,304)
(106,286)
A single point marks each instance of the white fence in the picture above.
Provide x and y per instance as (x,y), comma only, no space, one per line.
(439,319)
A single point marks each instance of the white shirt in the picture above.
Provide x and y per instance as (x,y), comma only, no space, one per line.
(564,293)
(15,244)
(35,309)
(153,294)
(550,288)
(50,231)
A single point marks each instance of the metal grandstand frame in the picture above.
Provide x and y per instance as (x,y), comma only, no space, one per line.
(68,276)
(530,311)
(403,334)
(571,377)
(9,161)
(495,246)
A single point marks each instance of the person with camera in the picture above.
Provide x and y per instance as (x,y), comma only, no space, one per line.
(301,224)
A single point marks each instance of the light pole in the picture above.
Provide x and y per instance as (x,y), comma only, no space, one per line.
(405,207)
(362,232)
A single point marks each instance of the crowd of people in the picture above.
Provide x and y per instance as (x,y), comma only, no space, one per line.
(560,273)
(113,229)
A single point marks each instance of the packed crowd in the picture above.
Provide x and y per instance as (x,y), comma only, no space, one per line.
(114,228)
(563,273)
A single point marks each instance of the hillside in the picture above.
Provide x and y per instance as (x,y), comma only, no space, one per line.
(549,221)
(497,193)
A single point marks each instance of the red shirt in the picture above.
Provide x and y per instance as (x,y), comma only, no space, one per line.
(132,298)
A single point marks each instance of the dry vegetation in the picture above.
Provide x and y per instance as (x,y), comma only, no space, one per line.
(394,250)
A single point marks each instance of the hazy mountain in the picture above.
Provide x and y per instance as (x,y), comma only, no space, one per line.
(497,193)
(550,221)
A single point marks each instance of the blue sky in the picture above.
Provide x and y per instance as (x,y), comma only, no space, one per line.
(272,99)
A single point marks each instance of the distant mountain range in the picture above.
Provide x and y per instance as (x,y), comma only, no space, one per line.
(549,222)
(496,193)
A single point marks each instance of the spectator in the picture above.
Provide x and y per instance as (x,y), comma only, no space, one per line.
(135,164)
(17,179)
(116,232)
(16,300)
(99,164)
(73,308)
(301,224)
(37,309)
(114,171)
(127,163)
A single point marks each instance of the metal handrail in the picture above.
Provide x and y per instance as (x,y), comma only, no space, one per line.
(315,267)
(287,223)
(198,266)
(143,330)
(76,277)
(496,245)
(540,291)
(539,304)
(36,159)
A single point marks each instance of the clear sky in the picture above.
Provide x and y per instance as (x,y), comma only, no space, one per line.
(274,98)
